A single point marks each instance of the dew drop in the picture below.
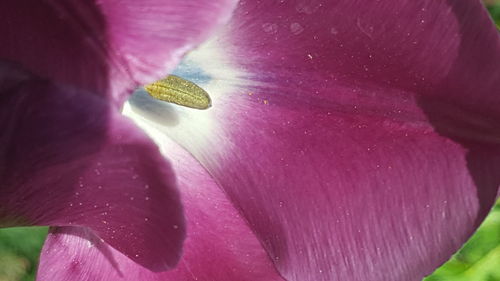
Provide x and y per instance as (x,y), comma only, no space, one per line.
(270,28)
(296,28)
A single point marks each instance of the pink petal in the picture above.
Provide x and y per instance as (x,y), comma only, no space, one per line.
(219,245)
(105,46)
(359,140)
(68,158)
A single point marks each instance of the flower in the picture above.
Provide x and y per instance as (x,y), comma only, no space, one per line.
(346,141)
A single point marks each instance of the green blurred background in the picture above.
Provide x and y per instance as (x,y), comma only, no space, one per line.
(478,260)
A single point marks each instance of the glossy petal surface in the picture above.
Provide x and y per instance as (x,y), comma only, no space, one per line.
(219,244)
(68,158)
(105,46)
(359,140)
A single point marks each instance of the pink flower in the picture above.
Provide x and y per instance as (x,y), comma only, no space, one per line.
(347,141)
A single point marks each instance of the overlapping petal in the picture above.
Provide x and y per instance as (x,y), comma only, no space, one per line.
(219,245)
(359,140)
(69,159)
(105,46)
(68,156)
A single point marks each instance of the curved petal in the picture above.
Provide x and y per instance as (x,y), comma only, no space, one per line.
(219,245)
(359,140)
(105,46)
(67,158)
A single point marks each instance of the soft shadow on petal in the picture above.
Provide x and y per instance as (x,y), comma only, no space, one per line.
(334,149)
(68,158)
(219,245)
(105,46)
(465,106)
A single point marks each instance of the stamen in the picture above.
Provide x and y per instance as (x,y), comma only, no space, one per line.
(175,89)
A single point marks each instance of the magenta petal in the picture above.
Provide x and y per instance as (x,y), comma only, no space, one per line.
(105,46)
(69,158)
(359,140)
(219,245)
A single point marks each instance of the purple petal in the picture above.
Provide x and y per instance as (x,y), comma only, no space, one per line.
(359,140)
(219,245)
(69,158)
(105,46)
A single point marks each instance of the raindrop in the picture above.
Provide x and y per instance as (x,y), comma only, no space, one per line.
(296,28)
(270,28)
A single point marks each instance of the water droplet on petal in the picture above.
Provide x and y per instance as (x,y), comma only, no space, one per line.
(296,28)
